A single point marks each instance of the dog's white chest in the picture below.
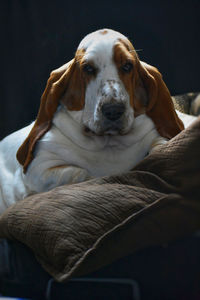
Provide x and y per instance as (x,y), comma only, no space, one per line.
(100,156)
(110,161)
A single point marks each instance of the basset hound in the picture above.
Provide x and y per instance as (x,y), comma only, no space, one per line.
(100,114)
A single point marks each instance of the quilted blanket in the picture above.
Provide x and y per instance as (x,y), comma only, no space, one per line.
(76,229)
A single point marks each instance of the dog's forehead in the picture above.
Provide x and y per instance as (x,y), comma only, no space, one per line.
(100,44)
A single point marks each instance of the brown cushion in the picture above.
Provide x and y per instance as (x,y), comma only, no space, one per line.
(76,229)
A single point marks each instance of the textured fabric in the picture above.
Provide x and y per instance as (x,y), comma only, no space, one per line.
(79,228)
(186,103)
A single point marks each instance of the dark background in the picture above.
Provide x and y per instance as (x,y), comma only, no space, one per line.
(39,36)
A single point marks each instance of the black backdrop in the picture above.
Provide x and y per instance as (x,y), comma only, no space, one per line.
(38,36)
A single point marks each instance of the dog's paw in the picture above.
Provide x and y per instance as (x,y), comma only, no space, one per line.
(157,143)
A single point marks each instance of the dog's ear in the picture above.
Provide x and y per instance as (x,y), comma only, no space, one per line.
(63,83)
(159,105)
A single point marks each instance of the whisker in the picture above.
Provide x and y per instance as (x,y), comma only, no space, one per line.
(136,50)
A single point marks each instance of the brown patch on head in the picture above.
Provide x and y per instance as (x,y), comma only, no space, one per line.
(87,68)
(148,92)
(124,54)
(103,31)
(74,89)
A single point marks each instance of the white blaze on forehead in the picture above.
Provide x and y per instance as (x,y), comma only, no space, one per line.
(99,41)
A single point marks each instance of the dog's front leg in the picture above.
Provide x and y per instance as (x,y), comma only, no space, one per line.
(55,176)
(60,175)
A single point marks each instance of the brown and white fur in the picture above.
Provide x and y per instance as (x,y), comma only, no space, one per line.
(100,114)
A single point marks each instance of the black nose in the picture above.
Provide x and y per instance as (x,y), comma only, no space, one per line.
(112,111)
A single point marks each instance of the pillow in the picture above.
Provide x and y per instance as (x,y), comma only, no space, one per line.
(76,229)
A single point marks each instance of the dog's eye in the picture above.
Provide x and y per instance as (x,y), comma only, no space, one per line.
(89,69)
(127,67)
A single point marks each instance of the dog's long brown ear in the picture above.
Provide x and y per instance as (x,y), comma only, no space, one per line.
(60,80)
(160,107)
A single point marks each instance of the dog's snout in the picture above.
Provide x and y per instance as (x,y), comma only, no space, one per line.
(113,112)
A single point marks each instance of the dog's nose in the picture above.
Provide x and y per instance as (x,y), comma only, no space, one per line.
(113,112)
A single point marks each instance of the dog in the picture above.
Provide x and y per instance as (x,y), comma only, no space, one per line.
(100,114)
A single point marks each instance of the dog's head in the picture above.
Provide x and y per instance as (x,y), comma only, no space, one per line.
(109,86)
